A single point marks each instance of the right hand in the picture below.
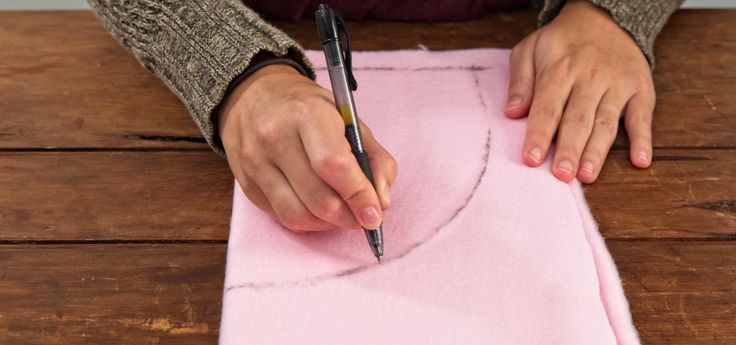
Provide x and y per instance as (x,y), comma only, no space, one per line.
(285,144)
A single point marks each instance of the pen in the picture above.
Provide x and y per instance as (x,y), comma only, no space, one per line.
(330,24)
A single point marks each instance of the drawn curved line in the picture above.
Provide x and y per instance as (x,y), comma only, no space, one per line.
(318,278)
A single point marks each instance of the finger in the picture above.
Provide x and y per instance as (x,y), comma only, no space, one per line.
(319,198)
(550,94)
(574,132)
(247,185)
(604,132)
(521,79)
(287,206)
(330,156)
(638,121)
(256,195)
(383,165)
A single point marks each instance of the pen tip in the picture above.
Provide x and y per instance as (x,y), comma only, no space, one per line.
(380,259)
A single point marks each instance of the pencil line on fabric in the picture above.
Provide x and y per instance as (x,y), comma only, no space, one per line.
(387,261)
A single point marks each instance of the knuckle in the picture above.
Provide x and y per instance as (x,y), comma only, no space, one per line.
(247,187)
(295,221)
(520,83)
(268,132)
(247,152)
(548,111)
(290,212)
(359,194)
(300,105)
(607,124)
(563,66)
(643,83)
(250,166)
(609,111)
(579,118)
(329,163)
(244,155)
(637,119)
(328,208)
(597,76)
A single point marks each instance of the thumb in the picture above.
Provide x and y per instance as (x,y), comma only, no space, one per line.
(521,79)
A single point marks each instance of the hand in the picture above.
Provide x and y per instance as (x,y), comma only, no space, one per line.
(285,144)
(574,78)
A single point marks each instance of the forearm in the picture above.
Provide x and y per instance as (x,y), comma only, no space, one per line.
(195,47)
(643,20)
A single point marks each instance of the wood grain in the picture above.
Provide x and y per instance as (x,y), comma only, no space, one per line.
(64,82)
(696,66)
(78,94)
(187,196)
(113,231)
(114,196)
(681,292)
(111,294)
(684,194)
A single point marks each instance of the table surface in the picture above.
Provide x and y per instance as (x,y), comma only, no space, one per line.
(109,235)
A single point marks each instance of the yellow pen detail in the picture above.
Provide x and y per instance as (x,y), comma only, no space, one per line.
(347,115)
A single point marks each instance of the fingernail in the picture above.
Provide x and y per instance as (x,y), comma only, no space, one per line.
(513,102)
(536,154)
(642,155)
(369,215)
(565,166)
(587,167)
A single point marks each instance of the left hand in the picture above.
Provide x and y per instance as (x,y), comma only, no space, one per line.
(575,77)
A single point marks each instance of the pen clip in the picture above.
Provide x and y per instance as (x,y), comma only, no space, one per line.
(347,51)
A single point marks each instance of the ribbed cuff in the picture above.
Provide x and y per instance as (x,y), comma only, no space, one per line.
(254,67)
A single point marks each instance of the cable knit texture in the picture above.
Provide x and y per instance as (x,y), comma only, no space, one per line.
(198,47)
(195,47)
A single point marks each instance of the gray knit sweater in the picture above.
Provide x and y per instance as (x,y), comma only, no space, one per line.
(198,47)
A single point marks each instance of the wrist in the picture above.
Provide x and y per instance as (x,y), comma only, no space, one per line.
(262,65)
(577,8)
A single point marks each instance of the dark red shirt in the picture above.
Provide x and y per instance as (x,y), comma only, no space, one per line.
(403,10)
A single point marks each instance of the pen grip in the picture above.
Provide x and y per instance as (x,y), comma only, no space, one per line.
(362,158)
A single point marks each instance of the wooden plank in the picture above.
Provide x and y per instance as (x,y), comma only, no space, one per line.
(187,195)
(65,83)
(499,30)
(114,195)
(681,292)
(694,79)
(685,193)
(111,294)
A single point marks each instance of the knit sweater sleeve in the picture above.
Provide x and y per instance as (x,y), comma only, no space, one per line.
(195,47)
(643,20)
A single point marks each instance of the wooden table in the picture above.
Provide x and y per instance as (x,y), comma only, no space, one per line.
(114,213)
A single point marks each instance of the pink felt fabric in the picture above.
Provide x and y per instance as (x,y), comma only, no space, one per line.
(480,249)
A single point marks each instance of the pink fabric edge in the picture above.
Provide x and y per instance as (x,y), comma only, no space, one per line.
(611,289)
(610,285)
